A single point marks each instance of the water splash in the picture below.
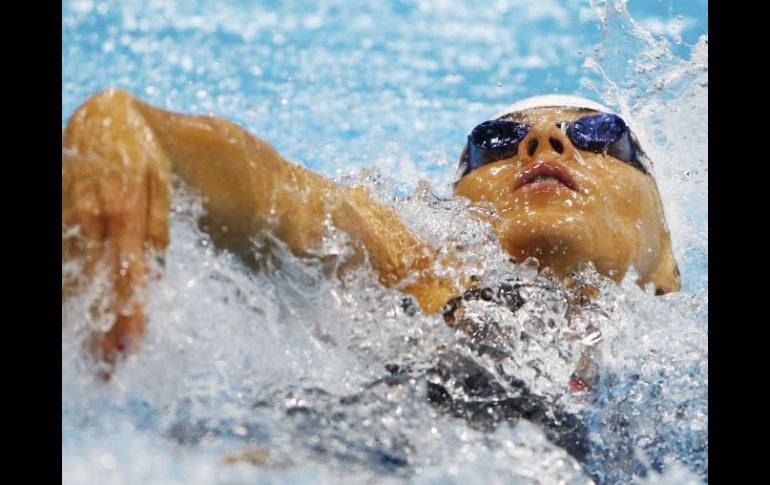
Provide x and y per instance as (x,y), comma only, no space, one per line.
(665,100)
(331,374)
(651,413)
(322,373)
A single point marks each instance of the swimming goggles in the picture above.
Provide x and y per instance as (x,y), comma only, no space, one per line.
(598,133)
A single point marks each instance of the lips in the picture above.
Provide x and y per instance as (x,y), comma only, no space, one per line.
(546,175)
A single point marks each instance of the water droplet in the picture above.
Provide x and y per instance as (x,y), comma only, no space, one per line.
(108,461)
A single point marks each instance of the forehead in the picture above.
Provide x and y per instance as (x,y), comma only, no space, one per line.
(549,114)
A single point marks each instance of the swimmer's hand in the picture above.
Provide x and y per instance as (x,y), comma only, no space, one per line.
(115,201)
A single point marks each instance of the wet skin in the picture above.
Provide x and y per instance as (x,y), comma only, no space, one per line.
(600,209)
(118,155)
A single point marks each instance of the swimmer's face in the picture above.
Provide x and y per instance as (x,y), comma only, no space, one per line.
(563,205)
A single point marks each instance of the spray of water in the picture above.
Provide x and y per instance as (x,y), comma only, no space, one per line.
(665,100)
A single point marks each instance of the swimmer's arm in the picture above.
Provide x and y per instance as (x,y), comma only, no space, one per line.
(249,187)
(117,157)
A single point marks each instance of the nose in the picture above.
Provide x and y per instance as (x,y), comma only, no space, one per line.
(546,142)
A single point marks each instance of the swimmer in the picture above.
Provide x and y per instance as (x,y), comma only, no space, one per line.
(566,177)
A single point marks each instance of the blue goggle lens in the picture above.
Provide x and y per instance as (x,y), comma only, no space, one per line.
(596,133)
(494,140)
(602,133)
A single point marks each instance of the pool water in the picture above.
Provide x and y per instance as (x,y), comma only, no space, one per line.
(287,376)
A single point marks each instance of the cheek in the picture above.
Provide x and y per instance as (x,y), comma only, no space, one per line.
(612,185)
(627,203)
(486,184)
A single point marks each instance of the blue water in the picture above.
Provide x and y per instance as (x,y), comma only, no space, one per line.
(343,80)
(339,86)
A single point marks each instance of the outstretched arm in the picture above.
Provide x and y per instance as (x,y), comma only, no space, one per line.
(249,186)
(118,154)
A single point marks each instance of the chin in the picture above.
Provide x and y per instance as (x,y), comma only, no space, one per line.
(561,241)
(551,252)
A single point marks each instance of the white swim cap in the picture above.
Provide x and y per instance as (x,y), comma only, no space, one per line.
(556,100)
